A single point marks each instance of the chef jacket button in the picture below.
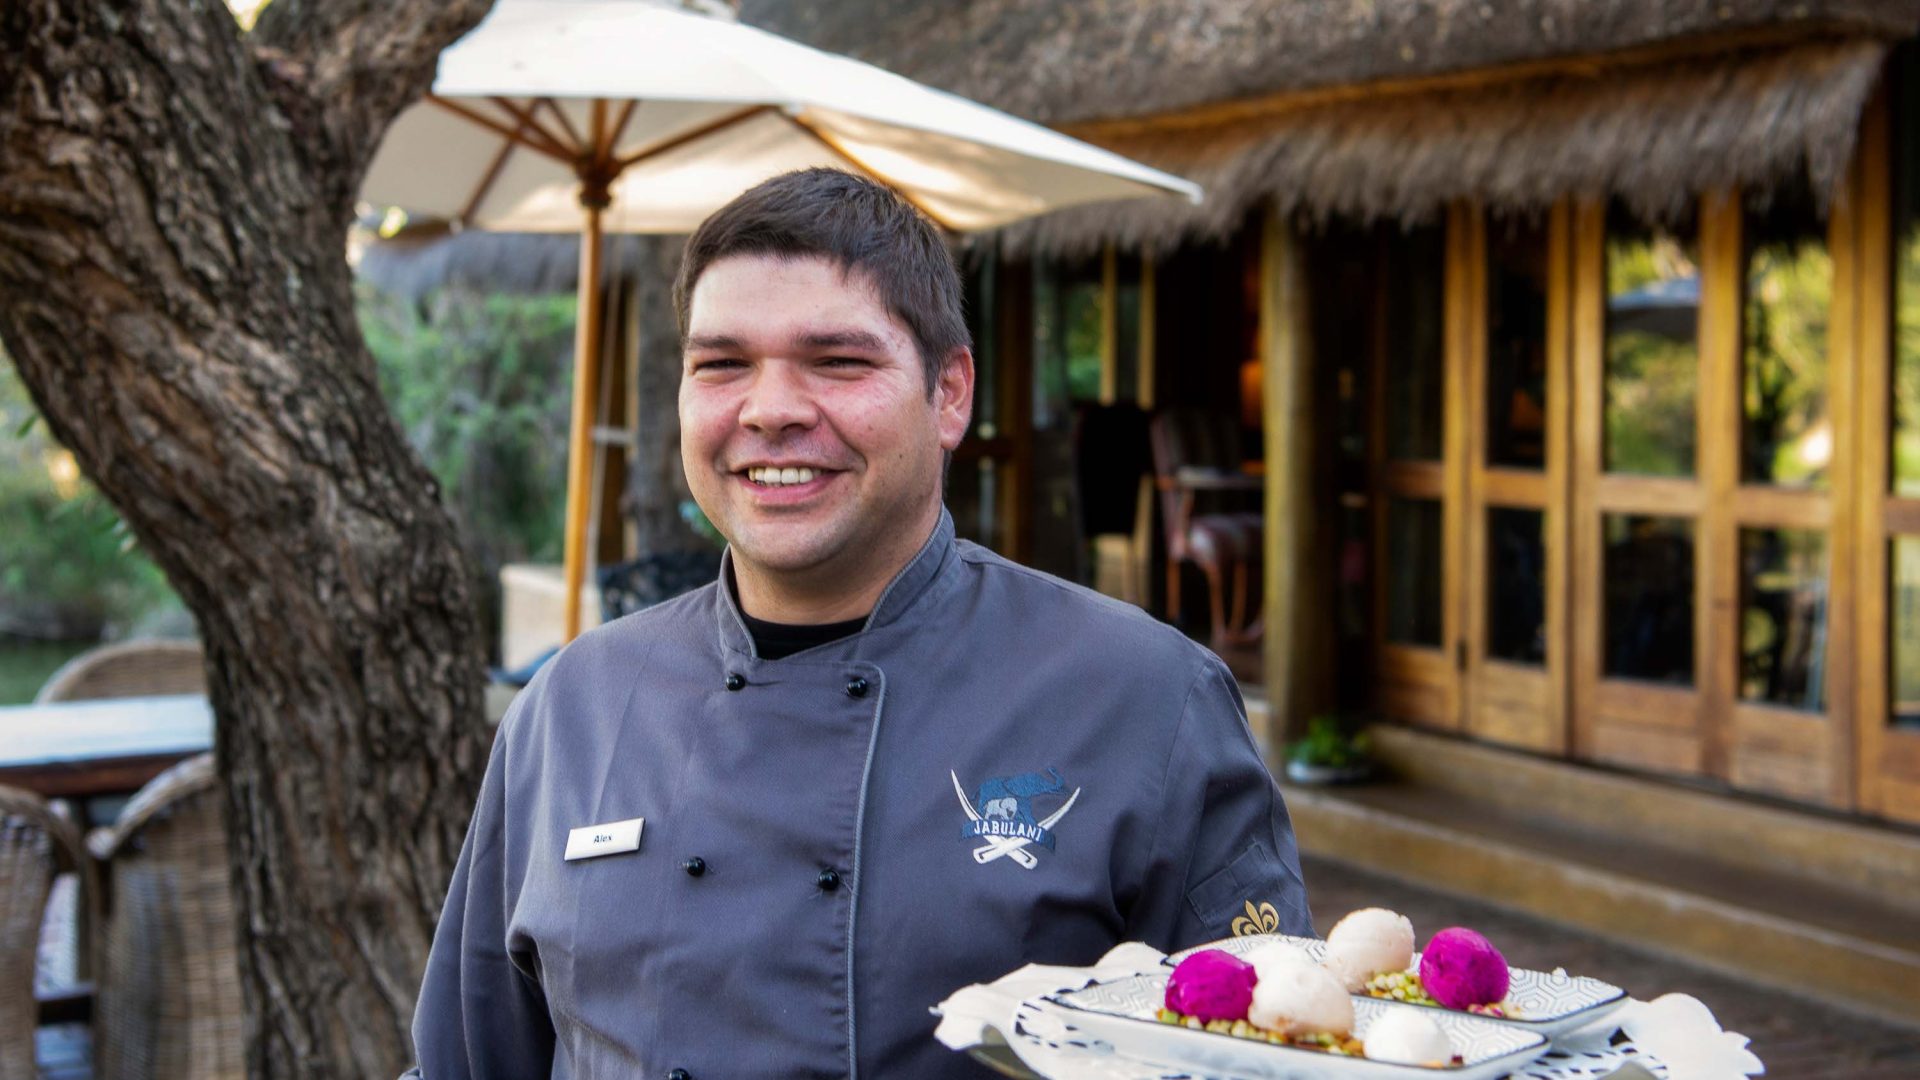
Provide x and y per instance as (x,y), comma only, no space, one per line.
(695,866)
(828,880)
(679,1074)
(857,687)
(735,680)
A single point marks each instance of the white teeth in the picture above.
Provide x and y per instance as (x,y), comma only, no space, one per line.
(780,477)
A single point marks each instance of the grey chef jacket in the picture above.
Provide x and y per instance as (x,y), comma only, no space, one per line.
(1000,768)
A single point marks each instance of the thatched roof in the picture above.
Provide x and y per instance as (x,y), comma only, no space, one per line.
(1062,63)
(1392,108)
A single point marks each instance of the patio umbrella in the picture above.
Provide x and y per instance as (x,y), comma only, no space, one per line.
(598,115)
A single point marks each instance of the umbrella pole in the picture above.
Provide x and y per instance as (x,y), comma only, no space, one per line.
(586,382)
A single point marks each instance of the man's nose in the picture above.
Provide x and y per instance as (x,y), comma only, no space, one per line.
(778,400)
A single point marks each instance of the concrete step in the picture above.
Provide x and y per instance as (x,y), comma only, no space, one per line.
(1593,868)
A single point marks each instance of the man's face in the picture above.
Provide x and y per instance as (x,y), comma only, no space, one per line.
(806,429)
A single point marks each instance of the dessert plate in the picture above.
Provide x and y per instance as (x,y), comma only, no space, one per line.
(1548,1003)
(1120,1014)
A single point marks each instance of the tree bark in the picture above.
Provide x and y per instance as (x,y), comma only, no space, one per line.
(173,289)
(656,483)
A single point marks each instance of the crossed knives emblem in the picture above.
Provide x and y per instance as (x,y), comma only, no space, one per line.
(1011,847)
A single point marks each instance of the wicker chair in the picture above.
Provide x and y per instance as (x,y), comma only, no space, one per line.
(129,669)
(35,845)
(168,971)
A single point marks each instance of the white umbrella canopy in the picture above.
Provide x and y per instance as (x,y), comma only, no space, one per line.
(631,116)
(696,110)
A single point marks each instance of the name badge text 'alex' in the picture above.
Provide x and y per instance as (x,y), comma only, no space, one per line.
(614,837)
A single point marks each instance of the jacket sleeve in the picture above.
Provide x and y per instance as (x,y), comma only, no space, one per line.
(481,1011)
(1223,861)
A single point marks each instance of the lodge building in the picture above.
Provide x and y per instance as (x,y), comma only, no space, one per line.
(1576,347)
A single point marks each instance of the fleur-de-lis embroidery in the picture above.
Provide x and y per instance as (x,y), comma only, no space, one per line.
(1260,920)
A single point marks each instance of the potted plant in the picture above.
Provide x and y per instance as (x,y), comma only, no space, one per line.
(1332,752)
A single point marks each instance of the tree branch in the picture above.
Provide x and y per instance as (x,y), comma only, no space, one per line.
(343,69)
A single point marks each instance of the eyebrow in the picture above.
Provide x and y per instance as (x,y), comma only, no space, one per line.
(826,339)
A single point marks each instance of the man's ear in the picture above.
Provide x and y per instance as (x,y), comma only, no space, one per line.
(953,397)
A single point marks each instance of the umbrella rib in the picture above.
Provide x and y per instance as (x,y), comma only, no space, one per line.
(486,182)
(525,116)
(512,134)
(686,137)
(566,125)
(619,128)
(861,167)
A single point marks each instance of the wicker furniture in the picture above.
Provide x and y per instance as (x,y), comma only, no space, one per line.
(143,668)
(168,974)
(35,845)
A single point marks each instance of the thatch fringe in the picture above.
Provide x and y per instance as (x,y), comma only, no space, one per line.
(1654,137)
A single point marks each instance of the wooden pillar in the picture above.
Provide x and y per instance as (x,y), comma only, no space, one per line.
(1297,650)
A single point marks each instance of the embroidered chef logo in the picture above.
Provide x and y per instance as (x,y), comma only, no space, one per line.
(1002,815)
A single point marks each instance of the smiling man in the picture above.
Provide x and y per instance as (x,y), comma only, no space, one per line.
(759,830)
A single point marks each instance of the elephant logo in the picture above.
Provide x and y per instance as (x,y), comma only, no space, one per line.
(1001,813)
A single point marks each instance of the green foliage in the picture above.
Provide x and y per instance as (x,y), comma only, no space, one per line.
(1331,743)
(1651,380)
(68,566)
(481,386)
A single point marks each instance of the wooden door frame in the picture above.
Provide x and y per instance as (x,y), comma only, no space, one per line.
(1886,760)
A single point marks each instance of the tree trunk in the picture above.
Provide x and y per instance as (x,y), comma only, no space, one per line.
(173,290)
(656,483)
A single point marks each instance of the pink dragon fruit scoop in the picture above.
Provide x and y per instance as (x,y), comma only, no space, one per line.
(1211,985)
(1460,969)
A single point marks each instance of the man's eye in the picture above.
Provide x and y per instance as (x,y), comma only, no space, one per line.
(716,366)
(845,362)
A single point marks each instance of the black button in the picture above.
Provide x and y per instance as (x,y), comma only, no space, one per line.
(735,680)
(679,1074)
(856,687)
(829,879)
(695,866)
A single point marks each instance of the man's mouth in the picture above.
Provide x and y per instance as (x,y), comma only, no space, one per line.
(778,476)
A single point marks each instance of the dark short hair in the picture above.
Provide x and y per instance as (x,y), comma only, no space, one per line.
(853,223)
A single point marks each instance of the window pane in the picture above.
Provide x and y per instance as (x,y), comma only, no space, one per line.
(1649,597)
(1787,438)
(1067,318)
(1516,585)
(1413,571)
(1517,343)
(982,311)
(1653,353)
(1783,617)
(1903,611)
(1906,271)
(1416,267)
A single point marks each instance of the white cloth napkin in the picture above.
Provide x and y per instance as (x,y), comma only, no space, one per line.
(969,1011)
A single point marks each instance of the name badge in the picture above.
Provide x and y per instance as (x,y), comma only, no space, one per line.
(614,837)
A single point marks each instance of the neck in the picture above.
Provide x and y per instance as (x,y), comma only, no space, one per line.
(829,593)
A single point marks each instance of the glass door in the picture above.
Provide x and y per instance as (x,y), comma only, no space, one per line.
(1641,453)
(1783,726)
(1887,545)
(1513,654)
(1414,453)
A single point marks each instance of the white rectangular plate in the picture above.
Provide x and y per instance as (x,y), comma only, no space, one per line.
(1547,1002)
(1120,1012)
